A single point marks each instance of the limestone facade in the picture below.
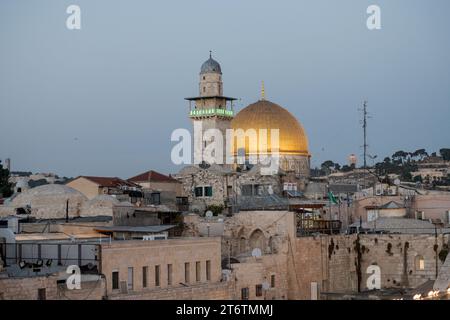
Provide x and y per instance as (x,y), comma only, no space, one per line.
(150,266)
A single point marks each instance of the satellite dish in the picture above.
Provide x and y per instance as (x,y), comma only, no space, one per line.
(265,285)
(397,182)
(256,253)
(209,214)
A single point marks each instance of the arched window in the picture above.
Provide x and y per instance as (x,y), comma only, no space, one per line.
(270,247)
(257,240)
(242,245)
(419,263)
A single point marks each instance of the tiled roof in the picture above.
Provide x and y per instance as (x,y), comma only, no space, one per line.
(152,176)
(109,181)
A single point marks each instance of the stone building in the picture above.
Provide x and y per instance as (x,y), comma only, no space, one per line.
(224,183)
(155,181)
(55,201)
(92,187)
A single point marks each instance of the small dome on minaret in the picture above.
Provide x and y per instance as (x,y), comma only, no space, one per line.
(210,66)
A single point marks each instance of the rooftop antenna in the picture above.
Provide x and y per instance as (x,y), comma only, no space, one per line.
(364,125)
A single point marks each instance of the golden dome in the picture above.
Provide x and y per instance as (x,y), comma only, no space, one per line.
(268,115)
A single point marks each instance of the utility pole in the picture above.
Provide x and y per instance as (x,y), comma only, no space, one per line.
(365,145)
(364,110)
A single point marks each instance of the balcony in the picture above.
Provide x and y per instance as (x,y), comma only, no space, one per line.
(310,226)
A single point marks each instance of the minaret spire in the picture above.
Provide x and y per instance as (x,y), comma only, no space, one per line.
(263,91)
(210,54)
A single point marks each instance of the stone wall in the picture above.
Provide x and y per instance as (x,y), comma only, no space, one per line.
(121,255)
(333,263)
(215,291)
(92,290)
(27,288)
(270,270)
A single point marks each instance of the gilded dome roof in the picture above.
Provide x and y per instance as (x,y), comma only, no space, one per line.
(268,115)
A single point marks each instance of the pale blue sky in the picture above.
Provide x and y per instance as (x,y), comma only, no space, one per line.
(104,100)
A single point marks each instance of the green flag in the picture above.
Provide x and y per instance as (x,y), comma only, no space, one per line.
(332,197)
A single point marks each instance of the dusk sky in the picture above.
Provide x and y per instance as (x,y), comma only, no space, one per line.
(105,99)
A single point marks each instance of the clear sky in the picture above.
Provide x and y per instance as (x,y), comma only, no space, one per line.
(104,100)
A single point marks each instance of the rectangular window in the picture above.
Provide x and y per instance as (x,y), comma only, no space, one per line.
(42,294)
(208,192)
(169,274)
(247,190)
(272,281)
(156,198)
(198,191)
(197,271)
(208,270)
(115,280)
(244,294)
(421,264)
(130,278)
(144,277)
(157,270)
(187,272)
(259,290)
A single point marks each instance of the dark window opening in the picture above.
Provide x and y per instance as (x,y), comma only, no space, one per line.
(199,191)
(259,290)
(157,283)
(156,198)
(42,294)
(169,274)
(208,191)
(187,277)
(144,277)
(115,280)
(244,294)
(208,270)
(197,271)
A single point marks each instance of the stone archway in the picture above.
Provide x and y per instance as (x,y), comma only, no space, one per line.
(257,240)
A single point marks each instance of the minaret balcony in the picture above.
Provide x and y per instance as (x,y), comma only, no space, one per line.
(204,113)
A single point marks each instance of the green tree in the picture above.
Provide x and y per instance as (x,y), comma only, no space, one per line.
(327,164)
(400,156)
(419,154)
(445,154)
(5,186)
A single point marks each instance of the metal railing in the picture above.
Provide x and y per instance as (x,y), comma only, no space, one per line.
(308,226)
(41,255)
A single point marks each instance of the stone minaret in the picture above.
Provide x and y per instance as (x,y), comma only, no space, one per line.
(211,109)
